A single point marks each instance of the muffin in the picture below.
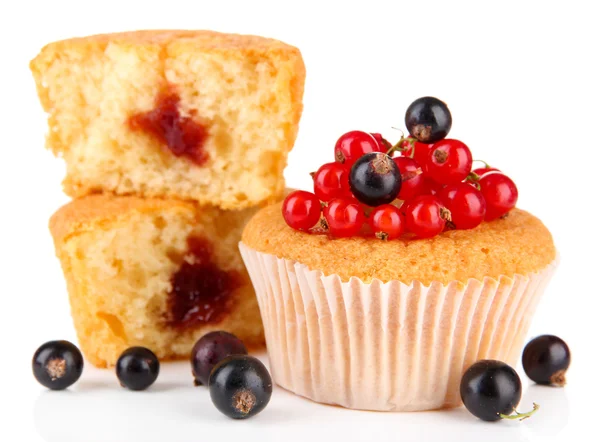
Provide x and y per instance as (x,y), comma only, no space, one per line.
(392,325)
(153,273)
(192,115)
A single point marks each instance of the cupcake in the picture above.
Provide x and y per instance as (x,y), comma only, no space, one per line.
(385,296)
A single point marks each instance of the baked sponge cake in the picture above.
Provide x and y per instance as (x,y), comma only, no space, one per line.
(393,325)
(155,273)
(171,113)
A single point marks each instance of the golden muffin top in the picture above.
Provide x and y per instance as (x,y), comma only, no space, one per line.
(518,244)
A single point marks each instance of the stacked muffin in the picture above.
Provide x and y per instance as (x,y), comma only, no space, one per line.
(171,139)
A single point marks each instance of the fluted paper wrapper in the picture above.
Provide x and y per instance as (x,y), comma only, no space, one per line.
(386,346)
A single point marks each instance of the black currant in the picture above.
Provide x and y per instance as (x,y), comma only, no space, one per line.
(240,386)
(491,390)
(210,349)
(57,364)
(137,368)
(375,179)
(428,119)
(546,360)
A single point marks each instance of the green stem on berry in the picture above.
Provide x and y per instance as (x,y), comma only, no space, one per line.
(396,147)
(485,164)
(520,416)
(472,177)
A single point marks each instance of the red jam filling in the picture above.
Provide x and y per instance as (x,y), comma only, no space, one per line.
(182,135)
(201,291)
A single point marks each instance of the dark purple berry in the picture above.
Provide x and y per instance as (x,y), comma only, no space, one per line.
(57,364)
(211,349)
(491,390)
(375,179)
(137,368)
(240,386)
(428,119)
(546,360)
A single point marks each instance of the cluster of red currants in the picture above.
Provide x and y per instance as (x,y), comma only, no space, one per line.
(428,188)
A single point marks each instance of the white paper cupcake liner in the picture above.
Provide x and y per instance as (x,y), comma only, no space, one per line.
(386,346)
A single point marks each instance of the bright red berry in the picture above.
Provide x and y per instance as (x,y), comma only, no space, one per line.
(353,145)
(425,216)
(483,170)
(448,161)
(466,205)
(413,180)
(301,210)
(430,187)
(384,145)
(421,151)
(387,222)
(345,218)
(332,181)
(500,193)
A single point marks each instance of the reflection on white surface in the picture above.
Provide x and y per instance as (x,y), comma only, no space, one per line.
(173,410)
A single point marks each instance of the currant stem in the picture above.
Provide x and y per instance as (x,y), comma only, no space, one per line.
(520,416)
(485,164)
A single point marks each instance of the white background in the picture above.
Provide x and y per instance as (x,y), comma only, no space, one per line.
(521,79)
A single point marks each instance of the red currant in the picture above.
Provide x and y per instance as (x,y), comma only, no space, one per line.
(345,218)
(353,145)
(413,180)
(448,161)
(425,216)
(301,210)
(332,181)
(387,222)
(483,170)
(466,205)
(384,145)
(500,193)
(421,151)
(430,187)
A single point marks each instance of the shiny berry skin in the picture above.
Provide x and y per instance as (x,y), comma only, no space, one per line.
(448,162)
(500,193)
(344,218)
(57,364)
(425,216)
(384,145)
(387,222)
(481,171)
(375,179)
(332,181)
(430,187)
(546,360)
(353,145)
(240,386)
(211,349)
(137,368)
(418,152)
(490,388)
(465,203)
(301,210)
(413,179)
(428,119)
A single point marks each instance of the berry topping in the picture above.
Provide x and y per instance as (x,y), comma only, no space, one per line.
(425,216)
(201,291)
(353,145)
(181,135)
(344,218)
(137,368)
(448,161)
(500,194)
(491,390)
(240,386)
(428,119)
(301,210)
(387,222)
(546,360)
(413,180)
(331,181)
(57,364)
(466,204)
(375,179)
(211,349)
